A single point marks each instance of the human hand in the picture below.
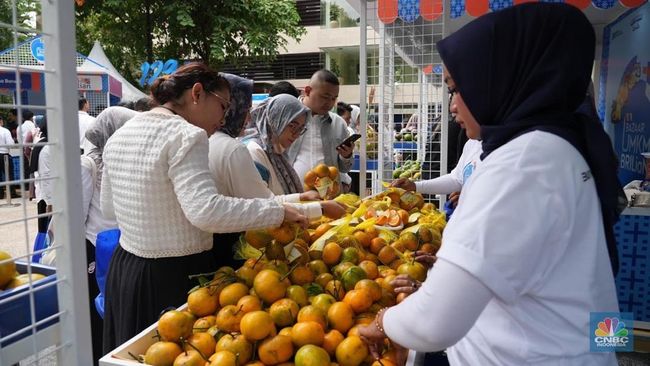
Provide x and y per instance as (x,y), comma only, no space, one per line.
(403,183)
(425,258)
(453,197)
(37,135)
(293,216)
(345,150)
(310,195)
(373,338)
(405,284)
(332,209)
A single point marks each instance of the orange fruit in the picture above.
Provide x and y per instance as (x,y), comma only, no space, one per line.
(399,246)
(322,170)
(298,294)
(255,264)
(224,358)
(284,312)
(396,263)
(415,270)
(394,219)
(331,340)
(382,220)
(308,332)
(353,332)
(340,316)
(359,300)
(322,302)
(256,325)
(372,258)
(410,241)
(284,234)
(370,268)
(258,238)
(372,231)
(404,216)
(232,293)
(363,238)
(400,297)
(269,286)
(249,303)
(376,244)
(228,318)
(310,178)
(310,355)
(364,318)
(386,255)
(275,350)
(336,289)
(162,353)
(334,172)
(202,302)
(332,253)
(323,279)
(203,324)
(301,275)
(428,248)
(384,362)
(203,342)
(371,286)
(351,351)
(320,230)
(174,325)
(285,331)
(189,358)
(312,313)
(237,344)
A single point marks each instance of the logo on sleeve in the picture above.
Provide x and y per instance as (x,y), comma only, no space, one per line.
(586,175)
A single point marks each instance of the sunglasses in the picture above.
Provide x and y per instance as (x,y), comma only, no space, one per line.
(225,104)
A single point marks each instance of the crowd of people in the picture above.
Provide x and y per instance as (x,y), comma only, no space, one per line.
(183,179)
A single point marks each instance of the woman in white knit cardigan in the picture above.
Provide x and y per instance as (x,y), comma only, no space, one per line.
(158,186)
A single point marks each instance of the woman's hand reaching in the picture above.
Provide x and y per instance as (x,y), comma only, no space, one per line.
(293,216)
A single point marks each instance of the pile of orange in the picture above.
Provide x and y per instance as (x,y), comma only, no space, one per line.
(308,312)
(323,179)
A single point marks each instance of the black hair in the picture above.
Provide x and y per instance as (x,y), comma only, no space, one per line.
(143,104)
(342,107)
(284,87)
(326,76)
(82,102)
(169,88)
(126,104)
(27,115)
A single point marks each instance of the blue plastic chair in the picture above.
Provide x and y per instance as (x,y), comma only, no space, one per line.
(105,245)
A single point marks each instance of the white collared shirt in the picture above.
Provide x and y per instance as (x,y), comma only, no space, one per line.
(311,153)
(5,139)
(85,121)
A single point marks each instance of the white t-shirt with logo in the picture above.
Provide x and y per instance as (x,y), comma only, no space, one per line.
(529,227)
(454,181)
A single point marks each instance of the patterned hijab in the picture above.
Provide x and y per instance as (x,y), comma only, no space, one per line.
(270,119)
(241,99)
(107,122)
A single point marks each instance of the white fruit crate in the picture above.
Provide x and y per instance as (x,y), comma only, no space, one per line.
(137,346)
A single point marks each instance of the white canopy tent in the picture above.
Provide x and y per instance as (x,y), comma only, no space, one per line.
(103,64)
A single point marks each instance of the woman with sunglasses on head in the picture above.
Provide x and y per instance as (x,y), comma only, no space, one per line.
(524,260)
(235,171)
(157,185)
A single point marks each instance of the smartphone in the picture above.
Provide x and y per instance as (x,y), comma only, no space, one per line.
(350,140)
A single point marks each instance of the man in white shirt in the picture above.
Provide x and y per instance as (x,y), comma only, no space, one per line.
(85,121)
(5,141)
(325,130)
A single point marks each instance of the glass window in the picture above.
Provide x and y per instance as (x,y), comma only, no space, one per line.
(338,14)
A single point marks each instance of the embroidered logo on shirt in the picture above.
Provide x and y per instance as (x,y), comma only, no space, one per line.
(586,175)
(468,170)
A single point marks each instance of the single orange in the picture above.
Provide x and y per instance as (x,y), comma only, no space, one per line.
(249,303)
(376,244)
(202,302)
(301,275)
(237,344)
(331,340)
(371,286)
(386,255)
(359,300)
(310,178)
(351,351)
(308,332)
(322,170)
(334,172)
(340,316)
(370,268)
(363,238)
(256,325)
(232,293)
(275,350)
(332,253)
(203,342)
(312,313)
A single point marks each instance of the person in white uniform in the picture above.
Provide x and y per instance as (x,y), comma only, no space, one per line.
(524,259)
(85,122)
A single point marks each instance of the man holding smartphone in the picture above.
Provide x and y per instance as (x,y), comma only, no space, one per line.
(321,142)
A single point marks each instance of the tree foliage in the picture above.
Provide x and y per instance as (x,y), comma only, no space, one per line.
(212,31)
(25,12)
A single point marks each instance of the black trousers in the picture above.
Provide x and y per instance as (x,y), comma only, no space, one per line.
(11,173)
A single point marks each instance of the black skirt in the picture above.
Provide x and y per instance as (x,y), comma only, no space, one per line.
(139,289)
(223,248)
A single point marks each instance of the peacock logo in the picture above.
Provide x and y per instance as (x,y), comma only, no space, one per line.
(611,327)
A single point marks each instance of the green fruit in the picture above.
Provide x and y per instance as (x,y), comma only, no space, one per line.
(405,175)
(408,137)
(323,302)
(353,275)
(350,254)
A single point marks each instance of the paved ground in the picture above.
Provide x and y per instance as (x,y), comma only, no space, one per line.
(17,237)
